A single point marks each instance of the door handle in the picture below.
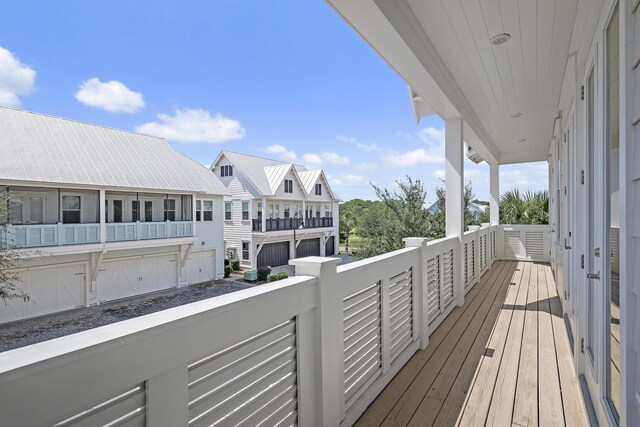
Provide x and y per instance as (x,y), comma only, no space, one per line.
(565,245)
(593,276)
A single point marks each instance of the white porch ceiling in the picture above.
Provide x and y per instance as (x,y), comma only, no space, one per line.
(484,83)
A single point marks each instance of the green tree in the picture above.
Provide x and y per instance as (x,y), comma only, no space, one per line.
(437,229)
(399,214)
(8,256)
(528,208)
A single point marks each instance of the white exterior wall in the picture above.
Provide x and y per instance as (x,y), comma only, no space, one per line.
(211,234)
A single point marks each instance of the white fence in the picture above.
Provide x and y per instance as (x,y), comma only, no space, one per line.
(38,235)
(524,242)
(315,349)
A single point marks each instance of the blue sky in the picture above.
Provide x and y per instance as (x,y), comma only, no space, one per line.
(283,79)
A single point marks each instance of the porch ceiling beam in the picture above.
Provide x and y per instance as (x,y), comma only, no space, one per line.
(394,32)
(523,157)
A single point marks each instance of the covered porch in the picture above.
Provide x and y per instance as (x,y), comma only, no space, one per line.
(501,359)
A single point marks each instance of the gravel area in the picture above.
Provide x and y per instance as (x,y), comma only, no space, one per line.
(31,331)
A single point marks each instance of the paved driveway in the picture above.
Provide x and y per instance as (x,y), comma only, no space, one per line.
(31,331)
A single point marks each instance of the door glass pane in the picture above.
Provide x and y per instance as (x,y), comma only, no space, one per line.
(135,210)
(36,209)
(590,212)
(117,211)
(148,211)
(15,211)
(613,214)
(71,209)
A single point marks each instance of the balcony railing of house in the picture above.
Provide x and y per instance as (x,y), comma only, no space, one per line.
(278,224)
(123,231)
(42,235)
(315,349)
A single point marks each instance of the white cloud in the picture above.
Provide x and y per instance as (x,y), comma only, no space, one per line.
(431,136)
(312,159)
(282,152)
(414,158)
(194,125)
(348,180)
(343,138)
(16,79)
(367,167)
(370,148)
(112,96)
(335,159)
(440,174)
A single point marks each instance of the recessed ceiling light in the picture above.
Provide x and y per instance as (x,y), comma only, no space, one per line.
(516,115)
(500,39)
(522,140)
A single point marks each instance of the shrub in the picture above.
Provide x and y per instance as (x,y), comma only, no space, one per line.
(226,261)
(276,277)
(227,270)
(263,272)
(235,264)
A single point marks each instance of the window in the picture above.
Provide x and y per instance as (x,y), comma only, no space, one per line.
(117,211)
(15,211)
(287,211)
(327,210)
(207,210)
(227,211)
(148,211)
(318,210)
(169,209)
(71,209)
(245,211)
(259,210)
(198,210)
(318,189)
(288,186)
(245,251)
(135,210)
(226,170)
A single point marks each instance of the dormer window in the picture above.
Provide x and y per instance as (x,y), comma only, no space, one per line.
(288,186)
(226,170)
(318,189)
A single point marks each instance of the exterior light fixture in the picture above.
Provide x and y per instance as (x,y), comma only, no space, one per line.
(516,115)
(500,39)
(522,140)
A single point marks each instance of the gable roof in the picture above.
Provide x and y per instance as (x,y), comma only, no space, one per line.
(265,175)
(309,178)
(41,148)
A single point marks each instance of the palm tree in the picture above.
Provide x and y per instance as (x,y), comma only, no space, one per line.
(529,208)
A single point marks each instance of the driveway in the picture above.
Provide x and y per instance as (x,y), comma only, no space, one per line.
(31,331)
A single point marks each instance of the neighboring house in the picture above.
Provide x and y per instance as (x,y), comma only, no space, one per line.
(270,200)
(476,210)
(105,214)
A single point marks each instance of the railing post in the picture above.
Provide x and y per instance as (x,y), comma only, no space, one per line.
(60,235)
(329,339)
(168,398)
(420,290)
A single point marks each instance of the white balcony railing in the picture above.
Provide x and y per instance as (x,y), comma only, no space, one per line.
(121,231)
(315,349)
(40,235)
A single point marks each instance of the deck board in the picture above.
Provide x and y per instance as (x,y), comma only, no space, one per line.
(486,362)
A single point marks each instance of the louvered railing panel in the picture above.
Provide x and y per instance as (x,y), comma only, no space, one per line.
(433,287)
(362,340)
(448,266)
(251,382)
(400,312)
(534,244)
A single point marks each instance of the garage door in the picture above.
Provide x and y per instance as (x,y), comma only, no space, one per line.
(50,289)
(308,247)
(201,266)
(127,277)
(274,254)
(330,246)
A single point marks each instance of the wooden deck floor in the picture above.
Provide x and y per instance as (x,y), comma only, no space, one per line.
(502,359)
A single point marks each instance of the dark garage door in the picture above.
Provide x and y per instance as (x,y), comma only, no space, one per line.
(330,247)
(308,247)
(274,254)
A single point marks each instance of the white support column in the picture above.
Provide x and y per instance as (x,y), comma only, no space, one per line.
(264,215)
(103,216)
(454,179)
(494,189)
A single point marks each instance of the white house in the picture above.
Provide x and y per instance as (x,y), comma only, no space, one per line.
(103,214)
(269,201)
(502,325)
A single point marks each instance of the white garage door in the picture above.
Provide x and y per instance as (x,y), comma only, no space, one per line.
(127,277)
(50,289)
(201,266)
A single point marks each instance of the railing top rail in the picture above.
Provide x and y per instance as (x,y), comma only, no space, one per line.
(379,258)
(524,226)
(20,361)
